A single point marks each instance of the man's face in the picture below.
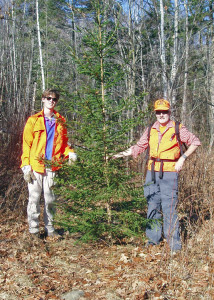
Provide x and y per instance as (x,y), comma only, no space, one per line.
(163,116)
(49,102)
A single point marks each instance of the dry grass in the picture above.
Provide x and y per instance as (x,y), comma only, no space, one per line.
(196,192)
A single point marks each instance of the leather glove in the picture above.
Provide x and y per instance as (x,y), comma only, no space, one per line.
(72,157)
(28,174)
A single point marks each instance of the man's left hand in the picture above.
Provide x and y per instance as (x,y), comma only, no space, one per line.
(179,164)
(72,157)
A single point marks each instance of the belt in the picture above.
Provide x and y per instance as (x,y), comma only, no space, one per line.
(154,160)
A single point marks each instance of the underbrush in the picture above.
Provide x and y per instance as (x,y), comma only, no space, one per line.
(13,189)
(128,269)
(196,191)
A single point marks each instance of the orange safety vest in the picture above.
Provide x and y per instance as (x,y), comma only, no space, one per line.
(34,142)
(163,147)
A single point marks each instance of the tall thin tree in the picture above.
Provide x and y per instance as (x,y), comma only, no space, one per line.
(40,45)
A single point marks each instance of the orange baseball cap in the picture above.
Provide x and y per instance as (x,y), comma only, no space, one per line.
(162,104)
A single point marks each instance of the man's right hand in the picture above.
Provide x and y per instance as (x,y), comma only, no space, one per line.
(72,157)
(127,152)
(28,174)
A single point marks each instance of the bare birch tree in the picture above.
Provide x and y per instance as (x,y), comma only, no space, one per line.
(40,45)
(131,78)
(163,51)
(186,61)
(174,69)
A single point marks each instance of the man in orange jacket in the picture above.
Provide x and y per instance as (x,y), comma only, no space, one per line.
(45,145)
(165,162)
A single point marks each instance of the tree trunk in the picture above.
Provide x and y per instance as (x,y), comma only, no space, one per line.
(14,65)
(29,77)
(40,46)
(174,70)
(103,95)
(33,99)
(132,67)
(211,106)
(184,103)
(163,52)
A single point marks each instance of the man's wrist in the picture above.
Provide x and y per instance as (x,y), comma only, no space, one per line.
(72,156)
(184,156)
(26,169)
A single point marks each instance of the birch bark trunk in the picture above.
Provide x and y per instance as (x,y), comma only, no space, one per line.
(74,43)
(163,51)
(174,69)
(40,46)
(184,103)
(13,58)
(29,76)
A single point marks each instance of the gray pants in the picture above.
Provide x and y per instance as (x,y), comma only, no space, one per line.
(43,182)
(162,199)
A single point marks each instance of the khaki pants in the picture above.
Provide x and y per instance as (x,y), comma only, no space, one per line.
(43,182)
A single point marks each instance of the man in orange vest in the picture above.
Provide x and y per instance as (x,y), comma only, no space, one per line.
(165,162)
(45,145)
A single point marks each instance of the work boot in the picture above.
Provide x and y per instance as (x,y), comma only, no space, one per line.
(53,235)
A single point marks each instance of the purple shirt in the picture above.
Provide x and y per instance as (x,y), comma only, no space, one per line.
(50,125)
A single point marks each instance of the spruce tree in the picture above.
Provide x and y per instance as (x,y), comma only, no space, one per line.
(97,196)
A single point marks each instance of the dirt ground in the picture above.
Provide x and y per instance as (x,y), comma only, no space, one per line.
(48,268)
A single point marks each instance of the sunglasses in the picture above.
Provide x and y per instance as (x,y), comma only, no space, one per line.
(164,112)
(50,98)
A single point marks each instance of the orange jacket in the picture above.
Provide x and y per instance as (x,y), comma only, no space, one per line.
(34,142)
(164,146)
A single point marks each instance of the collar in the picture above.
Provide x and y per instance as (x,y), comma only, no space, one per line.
(156,125)
(51,117)
(41,113)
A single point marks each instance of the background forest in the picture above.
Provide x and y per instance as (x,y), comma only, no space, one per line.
(158,49)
